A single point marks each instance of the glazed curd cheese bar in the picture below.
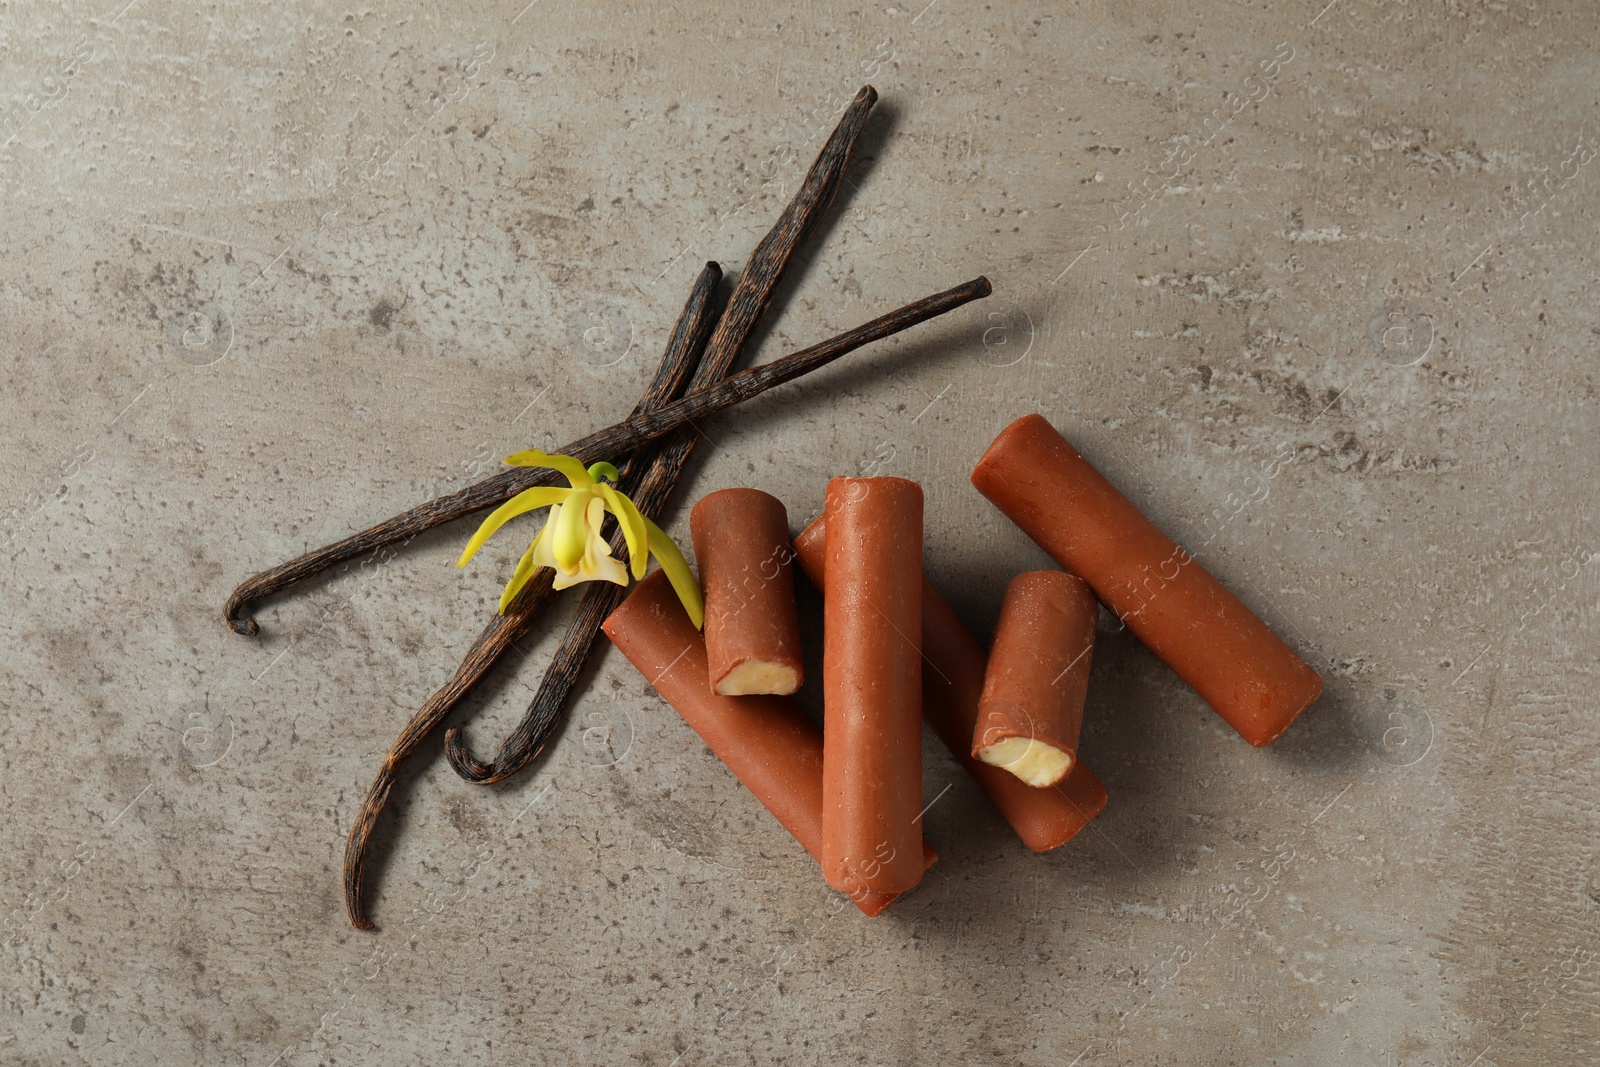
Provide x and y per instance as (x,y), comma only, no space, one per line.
(953,663)
(1171,603)
(872,684)
(766,741)
(741,546)
(1032,704)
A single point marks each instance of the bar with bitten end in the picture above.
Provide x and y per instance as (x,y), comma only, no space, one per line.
(952,681)
(1171,603)
(741,545)
(872,684)
(1038,674)
(766,741)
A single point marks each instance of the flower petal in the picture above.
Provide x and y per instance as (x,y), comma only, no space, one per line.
(542,554)
(678,573)
(564,580)
(633,529)
(603,469)
(539,496)
(571,534)
(599,565)
(567,465)
(524,571)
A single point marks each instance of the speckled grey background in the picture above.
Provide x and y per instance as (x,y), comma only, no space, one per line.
(1314,285)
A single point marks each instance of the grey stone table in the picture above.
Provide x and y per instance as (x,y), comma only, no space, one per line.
(1314,285)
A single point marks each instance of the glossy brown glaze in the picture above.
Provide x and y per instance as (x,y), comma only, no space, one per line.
(1199,629)
(741,546)
(953,663)
(872,684)
(1038,673)
(766,741)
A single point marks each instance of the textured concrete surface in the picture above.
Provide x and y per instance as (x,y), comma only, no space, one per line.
(1313,284)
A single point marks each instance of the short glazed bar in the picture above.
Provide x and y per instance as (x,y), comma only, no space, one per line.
(1033,690)
(741,545)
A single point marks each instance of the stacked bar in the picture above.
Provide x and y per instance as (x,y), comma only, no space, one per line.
(872,683)
(1033,691)
(953,664)
(895,655)
(741,540)
(1195,626)
(766,741)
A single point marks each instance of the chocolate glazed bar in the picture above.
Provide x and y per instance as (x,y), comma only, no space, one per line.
(1033,690)
(741,547)
(1199,629)
(766,741)
(872,684)
(952,681)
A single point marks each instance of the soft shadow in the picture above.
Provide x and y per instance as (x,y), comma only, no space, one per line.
(1343,733)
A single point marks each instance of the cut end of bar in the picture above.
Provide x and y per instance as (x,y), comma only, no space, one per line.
(1029,759)
(756,677)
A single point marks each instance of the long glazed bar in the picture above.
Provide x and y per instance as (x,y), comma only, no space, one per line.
(1199,629)
(952,682)
(766,741)
(872,684)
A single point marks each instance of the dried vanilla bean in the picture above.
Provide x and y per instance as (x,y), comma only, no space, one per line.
(739,387)
(745,306)
(524,744)
(677,365)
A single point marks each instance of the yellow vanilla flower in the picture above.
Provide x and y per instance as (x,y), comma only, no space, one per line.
(571,543)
